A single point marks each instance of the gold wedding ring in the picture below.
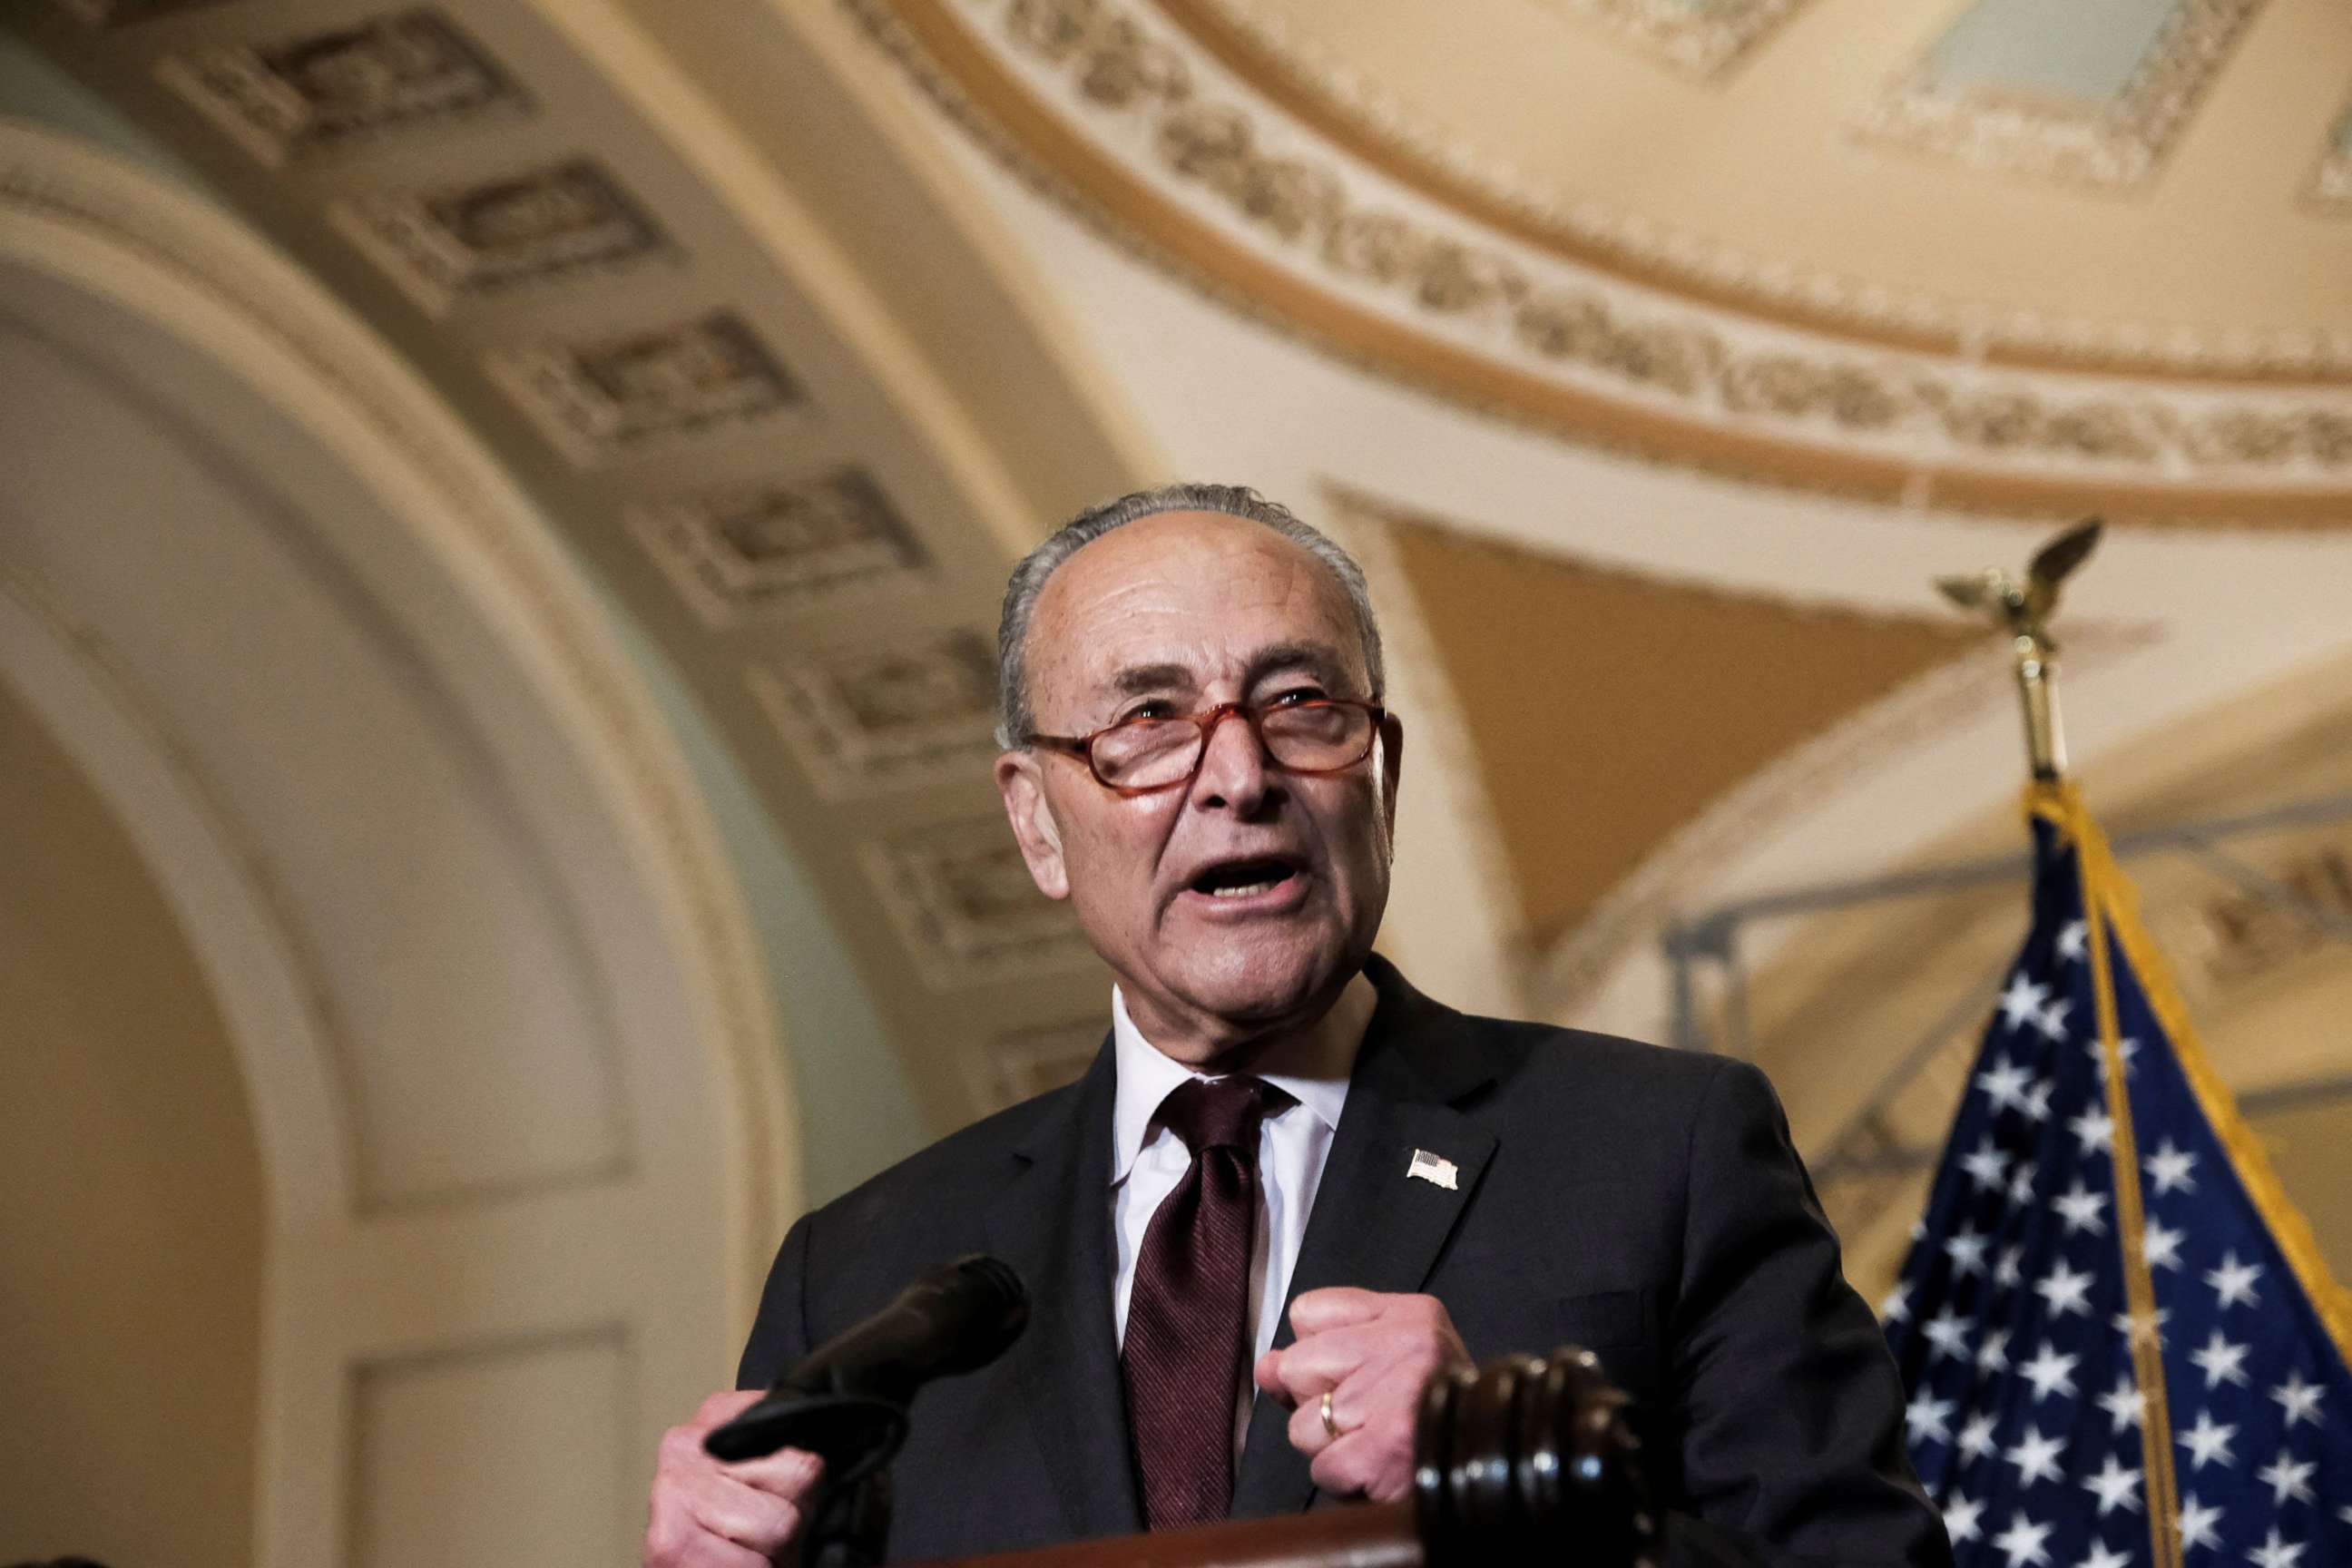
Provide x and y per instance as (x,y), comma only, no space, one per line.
(1331,1422)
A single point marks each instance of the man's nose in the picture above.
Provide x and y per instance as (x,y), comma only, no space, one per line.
(1236,772)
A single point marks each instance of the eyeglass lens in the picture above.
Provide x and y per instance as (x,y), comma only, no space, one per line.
(1311,737)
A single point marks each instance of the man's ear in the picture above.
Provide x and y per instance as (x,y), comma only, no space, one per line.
(1392,769)
(1034,827)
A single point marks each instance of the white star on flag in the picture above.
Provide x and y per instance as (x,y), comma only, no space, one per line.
(2065,1291)
(2207,1442)
(2005,1085)
(2022,1541)
(2114,1487)
(2168,1168)
(2275,1553)
(2105,1556)
(2162,1246)
(1993,1354)
(1987,1167)
(2050,1372)
(2233,1282)
(2126,1048)
(2135,1330)
(2221,1360)
(2288,1478)
(1966,1248)
(1947,1331)
(2035,1456)
(1960,1517)
(2197,1522)
(2079,1207)
(2096,1130)
(2127,1405)
(1926,1417)
(2300,1400)
(2021,1001)
(1976,1438)
(2070,940)
(2020,1186)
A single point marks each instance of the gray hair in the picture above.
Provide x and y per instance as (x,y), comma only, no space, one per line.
(1014,720)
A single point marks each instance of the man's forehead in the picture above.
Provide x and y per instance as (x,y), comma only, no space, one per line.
(1161,560)
(1178,587)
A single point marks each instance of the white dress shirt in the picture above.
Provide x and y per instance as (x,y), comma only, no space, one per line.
(1149,1159)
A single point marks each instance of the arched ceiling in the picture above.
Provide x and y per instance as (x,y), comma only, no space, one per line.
(1651,366)
(755,370)
(1873,248)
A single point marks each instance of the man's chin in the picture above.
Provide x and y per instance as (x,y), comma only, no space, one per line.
(1255,993)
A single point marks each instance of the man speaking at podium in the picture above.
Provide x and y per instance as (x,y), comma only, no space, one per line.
(1291,1187)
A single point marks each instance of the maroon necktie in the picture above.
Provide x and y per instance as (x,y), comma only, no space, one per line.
(1188,1316)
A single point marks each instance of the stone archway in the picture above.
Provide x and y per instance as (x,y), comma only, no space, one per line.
(520,1102)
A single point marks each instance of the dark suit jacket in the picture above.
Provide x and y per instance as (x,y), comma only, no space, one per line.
(1642,1203)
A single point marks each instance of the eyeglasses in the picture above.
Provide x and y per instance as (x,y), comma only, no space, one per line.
(1142,755)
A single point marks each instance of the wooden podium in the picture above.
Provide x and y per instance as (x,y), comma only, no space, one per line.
(1525,1460)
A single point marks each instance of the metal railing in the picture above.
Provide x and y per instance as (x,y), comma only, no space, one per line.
(1865,1148)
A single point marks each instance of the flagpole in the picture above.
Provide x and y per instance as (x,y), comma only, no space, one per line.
(2022,609)
(2094,870)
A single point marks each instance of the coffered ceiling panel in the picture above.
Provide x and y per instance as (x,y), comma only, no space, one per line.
(2331,186)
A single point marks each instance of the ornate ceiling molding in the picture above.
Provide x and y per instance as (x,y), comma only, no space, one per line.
(2118,143)
(1130,120)
(1292,74)
(1699,40)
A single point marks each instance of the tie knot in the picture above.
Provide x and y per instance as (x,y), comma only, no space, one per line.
(1220,1113)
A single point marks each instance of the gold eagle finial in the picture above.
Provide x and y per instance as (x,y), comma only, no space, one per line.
(2022,608)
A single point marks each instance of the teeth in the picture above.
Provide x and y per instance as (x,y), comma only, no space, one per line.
(1242,892)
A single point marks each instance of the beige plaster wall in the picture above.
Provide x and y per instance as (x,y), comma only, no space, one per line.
(131,1219)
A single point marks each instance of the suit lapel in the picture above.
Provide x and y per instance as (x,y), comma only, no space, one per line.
(1372,1226)
(1052,1224)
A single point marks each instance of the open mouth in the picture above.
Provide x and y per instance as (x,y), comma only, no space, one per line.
(1243,878)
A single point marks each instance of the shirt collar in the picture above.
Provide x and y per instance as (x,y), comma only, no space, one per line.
(1313,1070)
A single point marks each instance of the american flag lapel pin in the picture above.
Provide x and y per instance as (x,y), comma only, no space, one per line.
(1434,1169)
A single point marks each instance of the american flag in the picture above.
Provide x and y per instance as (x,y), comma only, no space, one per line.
(2028,1421)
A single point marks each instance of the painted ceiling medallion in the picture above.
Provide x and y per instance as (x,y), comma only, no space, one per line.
(1124,116)
(2108,126)
(1700,37)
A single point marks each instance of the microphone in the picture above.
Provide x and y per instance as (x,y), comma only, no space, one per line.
(846,1400)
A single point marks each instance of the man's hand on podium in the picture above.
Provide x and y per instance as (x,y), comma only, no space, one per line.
(1372,1354)
(706,1514)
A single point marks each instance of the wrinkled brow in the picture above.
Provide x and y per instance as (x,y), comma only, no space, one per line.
(1316,659)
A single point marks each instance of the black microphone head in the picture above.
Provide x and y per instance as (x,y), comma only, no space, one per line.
(989,1301)
(847,1399)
